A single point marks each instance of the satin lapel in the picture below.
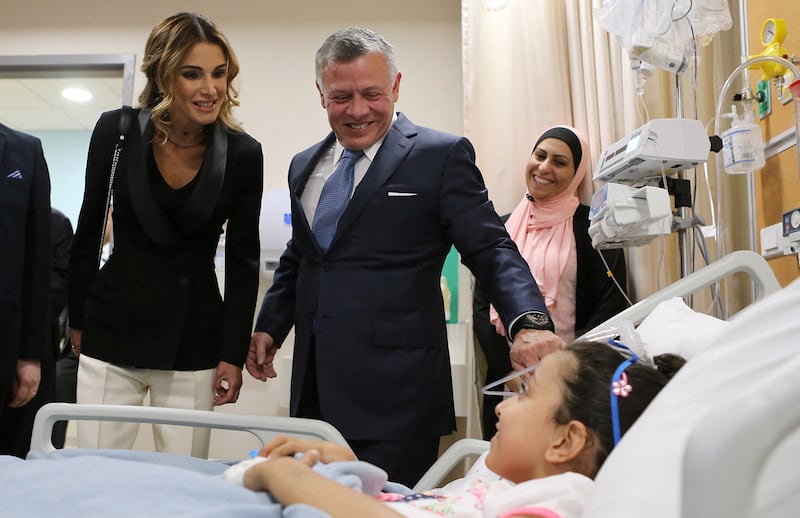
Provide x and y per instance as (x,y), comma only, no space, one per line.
(297,183)
(394,149)
(2,145)
(203,200)
(153,219)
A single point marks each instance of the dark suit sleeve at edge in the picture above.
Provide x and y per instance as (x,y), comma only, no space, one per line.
(481,238)
(38,254)
(83,257)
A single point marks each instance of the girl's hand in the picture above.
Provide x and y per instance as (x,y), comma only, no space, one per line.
(327,452)
(260,477)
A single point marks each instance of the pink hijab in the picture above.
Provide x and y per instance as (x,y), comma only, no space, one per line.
(542,230)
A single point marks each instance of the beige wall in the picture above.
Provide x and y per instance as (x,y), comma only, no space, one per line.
(777,189)
(275,42)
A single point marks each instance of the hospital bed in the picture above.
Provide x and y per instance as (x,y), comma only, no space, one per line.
(721,438)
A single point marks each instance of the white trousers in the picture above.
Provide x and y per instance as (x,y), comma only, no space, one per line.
(101,382)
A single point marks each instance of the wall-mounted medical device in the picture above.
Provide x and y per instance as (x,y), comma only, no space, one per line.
(659,146)
(622,215)
(782,238)
(773,34)
(274,229)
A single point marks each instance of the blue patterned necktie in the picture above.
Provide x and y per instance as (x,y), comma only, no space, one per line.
(334,197)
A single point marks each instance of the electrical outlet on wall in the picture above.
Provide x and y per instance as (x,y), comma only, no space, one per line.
(771,241)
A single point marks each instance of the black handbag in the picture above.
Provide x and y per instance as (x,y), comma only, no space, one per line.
(124,125)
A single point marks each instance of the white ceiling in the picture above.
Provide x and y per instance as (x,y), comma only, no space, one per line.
(36,103)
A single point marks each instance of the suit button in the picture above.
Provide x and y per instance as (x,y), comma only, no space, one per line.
(184,282)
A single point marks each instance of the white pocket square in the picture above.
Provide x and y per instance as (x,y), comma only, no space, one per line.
(395,193)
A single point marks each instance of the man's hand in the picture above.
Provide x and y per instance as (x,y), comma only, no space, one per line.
(260,357)
(27,382)
(227,383)
(531,345)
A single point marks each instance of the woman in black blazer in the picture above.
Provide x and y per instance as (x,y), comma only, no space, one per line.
(152,320)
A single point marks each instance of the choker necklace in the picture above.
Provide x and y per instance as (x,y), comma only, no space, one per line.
(184,146)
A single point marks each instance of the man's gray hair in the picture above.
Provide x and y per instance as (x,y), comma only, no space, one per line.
(351,43)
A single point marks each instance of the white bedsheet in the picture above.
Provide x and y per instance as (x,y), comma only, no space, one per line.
(122,483)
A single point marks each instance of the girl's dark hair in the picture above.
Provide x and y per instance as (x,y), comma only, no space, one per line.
(587,394)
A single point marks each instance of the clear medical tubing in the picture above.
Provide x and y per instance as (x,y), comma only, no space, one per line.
(723,100)
(795,88)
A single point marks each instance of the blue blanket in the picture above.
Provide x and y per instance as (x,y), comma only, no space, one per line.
(82,483)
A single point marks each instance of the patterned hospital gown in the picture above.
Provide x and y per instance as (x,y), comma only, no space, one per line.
(556,496)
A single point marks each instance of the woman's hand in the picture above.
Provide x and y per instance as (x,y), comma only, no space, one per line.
(75,340)
(327,452)
(227,383)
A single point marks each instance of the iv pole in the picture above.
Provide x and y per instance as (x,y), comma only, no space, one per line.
(683,240)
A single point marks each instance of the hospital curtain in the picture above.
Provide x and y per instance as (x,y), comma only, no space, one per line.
(531,64)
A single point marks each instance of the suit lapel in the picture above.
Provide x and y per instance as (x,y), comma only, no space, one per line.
(204,198)
(396,146)
(154,220)
(2,143)
(194,215)
(198,209)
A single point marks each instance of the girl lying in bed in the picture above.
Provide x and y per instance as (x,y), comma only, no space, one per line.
(551,440)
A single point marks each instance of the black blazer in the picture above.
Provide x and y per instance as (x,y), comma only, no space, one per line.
(156,303)
(372,306)
(24,251)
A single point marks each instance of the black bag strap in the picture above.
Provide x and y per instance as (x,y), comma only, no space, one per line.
(124,124)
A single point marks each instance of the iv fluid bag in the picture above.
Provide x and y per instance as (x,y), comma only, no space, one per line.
(742,147)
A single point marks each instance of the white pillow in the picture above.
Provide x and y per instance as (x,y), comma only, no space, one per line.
(674,327)
(643,474)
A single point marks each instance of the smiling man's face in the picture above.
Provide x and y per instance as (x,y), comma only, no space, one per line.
(359,96)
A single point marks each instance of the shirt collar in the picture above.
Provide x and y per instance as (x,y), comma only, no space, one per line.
(370,152)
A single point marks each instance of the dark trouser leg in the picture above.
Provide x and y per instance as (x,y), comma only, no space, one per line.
(404,461)
(16,424)
(308,405)
(66,385)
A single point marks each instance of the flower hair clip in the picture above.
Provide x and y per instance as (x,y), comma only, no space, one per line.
(621,387)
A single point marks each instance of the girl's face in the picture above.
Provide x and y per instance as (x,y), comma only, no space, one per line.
(526,424)
(199,86)
(550,169)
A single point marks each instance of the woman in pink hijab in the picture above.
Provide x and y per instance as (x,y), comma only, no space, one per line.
(551,228)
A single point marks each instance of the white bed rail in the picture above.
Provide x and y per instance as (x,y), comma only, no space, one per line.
(263,427)
(459,451)
(744,261)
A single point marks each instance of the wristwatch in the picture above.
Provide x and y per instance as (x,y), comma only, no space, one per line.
(532,320)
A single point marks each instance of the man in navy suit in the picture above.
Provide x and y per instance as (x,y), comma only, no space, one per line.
(370,353)
(24,276)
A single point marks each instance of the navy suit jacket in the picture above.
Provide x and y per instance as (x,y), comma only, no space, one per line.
(24,251)
(372,304)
